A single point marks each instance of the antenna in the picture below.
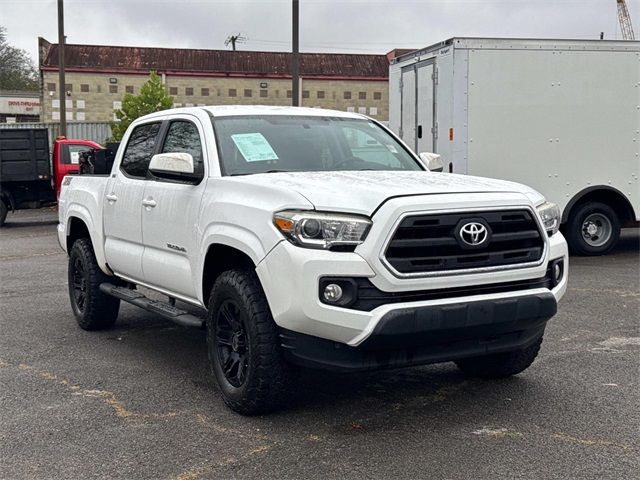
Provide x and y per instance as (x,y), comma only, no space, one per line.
(233,39)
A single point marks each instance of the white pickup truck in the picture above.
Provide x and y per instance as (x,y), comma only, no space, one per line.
(311,238)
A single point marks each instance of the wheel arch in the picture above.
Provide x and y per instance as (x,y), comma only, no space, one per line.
(219,258)
(79,225)
(604,194)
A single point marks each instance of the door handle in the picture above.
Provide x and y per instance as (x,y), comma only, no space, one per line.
(111,198)
(149,202)
(419,131)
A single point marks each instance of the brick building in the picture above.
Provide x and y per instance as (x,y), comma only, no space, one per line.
(97,78)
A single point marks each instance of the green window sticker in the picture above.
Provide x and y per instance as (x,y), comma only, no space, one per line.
(254,147)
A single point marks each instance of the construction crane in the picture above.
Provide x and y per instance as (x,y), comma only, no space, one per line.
(625,21)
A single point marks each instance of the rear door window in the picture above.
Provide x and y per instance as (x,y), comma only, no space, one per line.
(139,150)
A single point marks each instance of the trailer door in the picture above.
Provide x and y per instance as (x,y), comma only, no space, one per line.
(408,106)
(425,107)
(417,125)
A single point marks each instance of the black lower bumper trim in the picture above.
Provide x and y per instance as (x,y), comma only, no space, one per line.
(432,334)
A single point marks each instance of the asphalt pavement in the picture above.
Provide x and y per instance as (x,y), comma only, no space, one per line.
(138,401)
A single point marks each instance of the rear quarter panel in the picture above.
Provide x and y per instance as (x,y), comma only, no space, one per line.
(82,197)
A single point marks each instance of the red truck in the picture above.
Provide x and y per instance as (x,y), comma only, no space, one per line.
(30,178)
(66,157)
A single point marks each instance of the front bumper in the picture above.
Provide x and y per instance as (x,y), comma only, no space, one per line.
(290,276)
(431,334)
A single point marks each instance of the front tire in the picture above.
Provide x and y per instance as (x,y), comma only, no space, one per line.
(593,229)
(500,365)
(243,345)
(93,309)
(3,212)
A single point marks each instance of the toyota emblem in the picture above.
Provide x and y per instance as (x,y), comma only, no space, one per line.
(474,234)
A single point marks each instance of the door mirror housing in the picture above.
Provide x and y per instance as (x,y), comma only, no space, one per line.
(175,166)
(432,161)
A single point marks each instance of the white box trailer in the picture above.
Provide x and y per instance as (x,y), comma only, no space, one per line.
(562,116)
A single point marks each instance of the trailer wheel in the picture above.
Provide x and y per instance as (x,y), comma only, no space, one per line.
(3,212)
(593,229)
(93,309)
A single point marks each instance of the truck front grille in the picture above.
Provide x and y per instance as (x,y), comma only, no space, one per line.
(430,243)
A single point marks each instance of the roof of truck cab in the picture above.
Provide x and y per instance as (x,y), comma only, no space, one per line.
(234,110)
(239,110)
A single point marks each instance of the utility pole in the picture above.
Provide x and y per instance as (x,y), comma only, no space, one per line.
(295,58)
(62,90)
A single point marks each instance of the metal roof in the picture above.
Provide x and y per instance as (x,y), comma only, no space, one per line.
(215,62)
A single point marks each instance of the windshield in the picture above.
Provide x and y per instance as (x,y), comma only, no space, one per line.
(295,143)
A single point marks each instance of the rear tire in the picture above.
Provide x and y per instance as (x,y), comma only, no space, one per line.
(93,309)
(500,365)
(243,345)
(3,212)
(593,229)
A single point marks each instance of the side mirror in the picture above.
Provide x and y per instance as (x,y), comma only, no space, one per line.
(176,166)
(432,161)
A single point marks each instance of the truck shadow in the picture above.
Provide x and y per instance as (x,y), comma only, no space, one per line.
(12,224)
(629,241)
(348,402)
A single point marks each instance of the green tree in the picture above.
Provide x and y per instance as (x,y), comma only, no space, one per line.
(17,71)
(153,97)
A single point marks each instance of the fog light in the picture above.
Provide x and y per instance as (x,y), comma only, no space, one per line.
(557,272)
(332,292)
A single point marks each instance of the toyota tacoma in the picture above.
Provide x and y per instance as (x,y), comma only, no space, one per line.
(313,238)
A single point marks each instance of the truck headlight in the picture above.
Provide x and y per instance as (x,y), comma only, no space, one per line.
(550,216)
(321,230)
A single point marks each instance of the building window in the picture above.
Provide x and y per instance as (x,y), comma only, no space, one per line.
(289,93)
(173,90)
(84,87)
(232,92)
(362,95)
(377,95)
(51,87)
(305,94)
(264,93)
(320,94)
(204,92)
(68,87)
(99,88)
(347,95)
(113,88)
(188,91)
(128,89)
(248,92)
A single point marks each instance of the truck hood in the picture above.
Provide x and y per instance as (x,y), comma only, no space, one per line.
(363,192)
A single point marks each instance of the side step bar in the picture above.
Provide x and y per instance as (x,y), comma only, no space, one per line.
(165,310)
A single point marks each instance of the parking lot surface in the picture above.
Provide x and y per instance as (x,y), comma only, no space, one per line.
(138,401)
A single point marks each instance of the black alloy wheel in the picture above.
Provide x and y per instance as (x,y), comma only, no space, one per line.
(231,342)
(79,284)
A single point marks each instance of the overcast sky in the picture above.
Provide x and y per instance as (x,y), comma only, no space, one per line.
(325,25)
